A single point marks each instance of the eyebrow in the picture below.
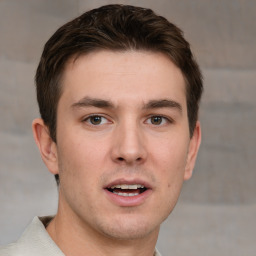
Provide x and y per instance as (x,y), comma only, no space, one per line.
(164,103)
(92,102)
(100,103)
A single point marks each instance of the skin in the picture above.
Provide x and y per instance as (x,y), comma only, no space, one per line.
(141,133)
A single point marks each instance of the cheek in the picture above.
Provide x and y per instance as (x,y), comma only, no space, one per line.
(77,170)
(171,154)
(82,160)
(169,160)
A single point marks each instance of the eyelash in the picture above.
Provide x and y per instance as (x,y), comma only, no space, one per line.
(149,119)
(163,119)
(88,119)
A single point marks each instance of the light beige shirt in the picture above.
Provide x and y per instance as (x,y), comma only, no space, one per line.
(35,241)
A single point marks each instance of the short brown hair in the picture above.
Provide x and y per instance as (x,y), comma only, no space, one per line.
(116,28)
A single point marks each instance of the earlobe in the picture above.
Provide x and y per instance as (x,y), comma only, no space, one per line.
(194,145)
(46,145)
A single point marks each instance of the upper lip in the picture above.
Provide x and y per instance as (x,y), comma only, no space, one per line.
(129,181)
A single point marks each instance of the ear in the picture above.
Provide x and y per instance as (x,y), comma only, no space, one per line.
(194,145)
(46,145)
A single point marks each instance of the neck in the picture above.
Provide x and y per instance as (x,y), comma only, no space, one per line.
(76,238)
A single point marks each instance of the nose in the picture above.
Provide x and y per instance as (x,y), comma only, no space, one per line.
(128,145)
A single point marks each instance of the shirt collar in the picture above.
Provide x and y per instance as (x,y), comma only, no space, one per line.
(40,243)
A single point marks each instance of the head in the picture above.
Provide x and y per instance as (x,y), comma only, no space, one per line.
(115,28)
(122,36)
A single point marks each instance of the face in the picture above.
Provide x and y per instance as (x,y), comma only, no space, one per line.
(123,143)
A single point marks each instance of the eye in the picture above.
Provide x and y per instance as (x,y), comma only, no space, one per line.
(96,120)
(157,120)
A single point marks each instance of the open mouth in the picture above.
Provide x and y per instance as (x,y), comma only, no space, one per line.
(127,190)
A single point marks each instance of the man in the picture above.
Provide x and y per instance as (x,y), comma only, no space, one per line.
(118,92)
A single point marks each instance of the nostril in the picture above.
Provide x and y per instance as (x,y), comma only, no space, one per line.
(122,159)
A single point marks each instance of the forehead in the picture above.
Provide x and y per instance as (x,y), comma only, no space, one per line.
(122,75)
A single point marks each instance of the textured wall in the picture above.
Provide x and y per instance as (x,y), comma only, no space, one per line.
(217,208)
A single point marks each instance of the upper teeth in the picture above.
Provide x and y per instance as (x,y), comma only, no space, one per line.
(126,186)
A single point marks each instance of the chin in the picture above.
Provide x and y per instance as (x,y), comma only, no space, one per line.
(129,229)
(131,233)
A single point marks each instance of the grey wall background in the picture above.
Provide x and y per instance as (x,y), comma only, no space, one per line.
(217,209)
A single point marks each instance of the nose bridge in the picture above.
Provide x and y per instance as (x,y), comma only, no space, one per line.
(129,144)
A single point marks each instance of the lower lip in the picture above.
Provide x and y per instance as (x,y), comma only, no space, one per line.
(128,201)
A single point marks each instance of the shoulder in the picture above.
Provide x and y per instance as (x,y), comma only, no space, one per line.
(35,241)
(22,247)
(10,250)
(5,250)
